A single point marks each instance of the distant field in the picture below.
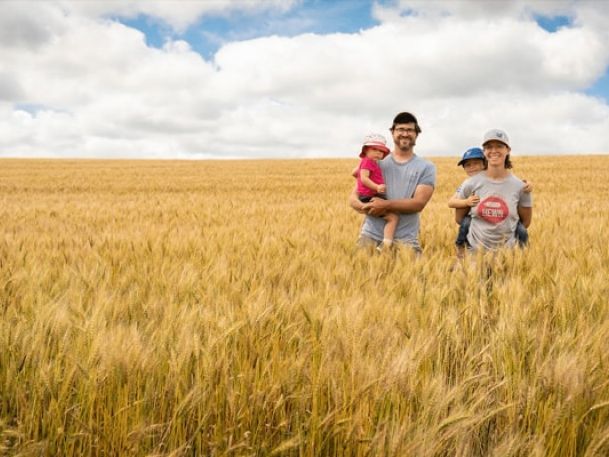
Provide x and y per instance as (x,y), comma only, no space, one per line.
(219,308)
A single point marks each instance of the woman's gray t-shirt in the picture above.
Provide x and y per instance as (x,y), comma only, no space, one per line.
(495,217)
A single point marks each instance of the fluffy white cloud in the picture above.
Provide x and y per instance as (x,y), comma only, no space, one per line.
(76,83)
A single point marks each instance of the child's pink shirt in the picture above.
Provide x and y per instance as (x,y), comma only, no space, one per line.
(376,176)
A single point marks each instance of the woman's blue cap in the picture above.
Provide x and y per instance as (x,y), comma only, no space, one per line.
(471,153)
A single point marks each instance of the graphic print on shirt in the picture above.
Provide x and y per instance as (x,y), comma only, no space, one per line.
(493,210)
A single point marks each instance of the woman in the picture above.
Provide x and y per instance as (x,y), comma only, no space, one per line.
(503,201)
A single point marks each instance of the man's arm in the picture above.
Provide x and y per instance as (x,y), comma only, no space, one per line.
(526,215)
(422,194)
(354,201)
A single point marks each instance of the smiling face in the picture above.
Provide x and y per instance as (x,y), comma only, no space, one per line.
(496,153)
(404,136)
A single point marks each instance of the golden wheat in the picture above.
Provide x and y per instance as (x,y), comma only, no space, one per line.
(220,308)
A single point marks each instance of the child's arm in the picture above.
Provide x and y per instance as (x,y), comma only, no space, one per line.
(471,200)
(354,172)
(364,176)
(457,203)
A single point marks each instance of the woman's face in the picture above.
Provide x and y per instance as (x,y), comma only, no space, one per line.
(496,152)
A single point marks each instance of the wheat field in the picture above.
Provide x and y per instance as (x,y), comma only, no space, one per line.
(219,308)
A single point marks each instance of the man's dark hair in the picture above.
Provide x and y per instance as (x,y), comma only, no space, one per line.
(406,118)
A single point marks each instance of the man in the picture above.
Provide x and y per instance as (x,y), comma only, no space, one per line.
(410,182)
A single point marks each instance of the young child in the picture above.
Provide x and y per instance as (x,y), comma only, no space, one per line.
(370,182)
(473,162)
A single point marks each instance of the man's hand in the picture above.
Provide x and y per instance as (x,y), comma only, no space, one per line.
(377,207)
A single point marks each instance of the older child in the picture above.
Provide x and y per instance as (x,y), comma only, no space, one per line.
(473,162)
(370,182)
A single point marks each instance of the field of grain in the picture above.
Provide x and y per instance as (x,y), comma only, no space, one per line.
(220,309)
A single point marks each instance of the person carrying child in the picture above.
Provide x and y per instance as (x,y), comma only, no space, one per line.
(495,201)
(370,182)
(410,181)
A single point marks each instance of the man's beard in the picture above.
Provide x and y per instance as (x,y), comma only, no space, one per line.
(406,143)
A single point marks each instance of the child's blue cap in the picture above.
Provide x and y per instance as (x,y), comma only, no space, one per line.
(471,153)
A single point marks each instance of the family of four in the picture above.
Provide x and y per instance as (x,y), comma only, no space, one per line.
(492,206)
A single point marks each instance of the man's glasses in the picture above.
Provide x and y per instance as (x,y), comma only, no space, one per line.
(403,131)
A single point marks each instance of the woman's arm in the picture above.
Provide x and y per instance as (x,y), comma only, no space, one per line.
(526,215)
(460,213)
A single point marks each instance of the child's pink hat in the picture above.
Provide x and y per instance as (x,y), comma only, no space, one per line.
(377,141)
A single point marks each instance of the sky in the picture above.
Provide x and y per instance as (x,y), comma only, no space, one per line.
(226,79)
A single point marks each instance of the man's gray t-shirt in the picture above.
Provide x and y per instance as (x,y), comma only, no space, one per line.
(495,218)
(402,180)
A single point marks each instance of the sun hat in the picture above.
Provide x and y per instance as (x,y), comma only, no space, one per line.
(376,141)
(471,153)
(498,135)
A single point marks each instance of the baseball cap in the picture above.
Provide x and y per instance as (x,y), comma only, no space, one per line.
(377,141)
(496,134)
(471,153)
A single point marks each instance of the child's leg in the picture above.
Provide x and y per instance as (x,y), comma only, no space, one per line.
(391,223)
(461,240)
(522,235)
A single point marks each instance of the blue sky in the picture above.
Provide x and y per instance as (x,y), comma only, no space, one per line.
(308,77)
(210,32)
(600,88)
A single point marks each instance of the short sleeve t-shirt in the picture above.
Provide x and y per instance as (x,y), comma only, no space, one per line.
(402,180)
(495,217)
(376,176)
